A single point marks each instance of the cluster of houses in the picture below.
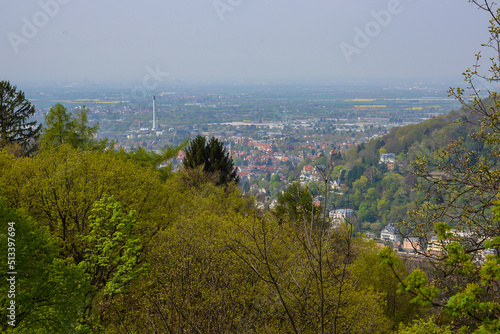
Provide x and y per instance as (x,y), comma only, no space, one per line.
(267,155)
(434,246)
(309,174)
(391,236)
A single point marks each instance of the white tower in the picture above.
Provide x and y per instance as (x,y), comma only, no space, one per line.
(154,113)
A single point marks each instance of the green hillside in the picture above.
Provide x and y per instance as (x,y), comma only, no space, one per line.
(382,193)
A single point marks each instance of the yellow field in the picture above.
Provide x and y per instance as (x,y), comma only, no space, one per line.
(371,106)
(419,99)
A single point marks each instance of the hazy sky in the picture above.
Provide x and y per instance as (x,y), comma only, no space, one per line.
(269,40)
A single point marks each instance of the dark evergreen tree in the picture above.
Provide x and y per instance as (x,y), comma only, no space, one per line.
(359,172)
(213,157)
(195,153)
(246,188)
(343,175)
(379,144)
(15,111)
(351,176)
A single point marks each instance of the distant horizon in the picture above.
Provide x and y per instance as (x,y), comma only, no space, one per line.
(247,82)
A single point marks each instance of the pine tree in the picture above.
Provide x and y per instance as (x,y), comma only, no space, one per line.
(15,111)
(196,154)
(213,157)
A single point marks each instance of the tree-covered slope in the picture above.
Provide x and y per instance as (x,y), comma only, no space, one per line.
(382,193)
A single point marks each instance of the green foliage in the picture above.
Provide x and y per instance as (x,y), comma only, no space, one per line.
(295,205)
(337,172)
(207,273)
(195,257)
(63,127)
(50,291)
(213,157)
(393,187)
(59,186)
(355,173)
(423,327)
(198,258)
(194,283)
(83,135)
(418,284)
(396,307)
(443,230)
(152,159)
(15,111)
(321,160)
(387,257)
(378,195)
(310,272)
(113,247)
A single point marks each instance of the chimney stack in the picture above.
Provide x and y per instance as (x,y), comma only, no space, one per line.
(154,113)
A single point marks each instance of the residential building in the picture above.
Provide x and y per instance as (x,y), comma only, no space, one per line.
(339,216)
(337,184)
(411,244)
(390,233)
(308,169)
(387,158)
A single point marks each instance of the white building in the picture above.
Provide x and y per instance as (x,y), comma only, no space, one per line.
(339,216)
(387,158)
(390,233)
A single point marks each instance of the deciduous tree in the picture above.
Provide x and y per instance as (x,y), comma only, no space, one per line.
(113,252)
(50,291)
(62,127)
(59,186)
(295,205)
(194,283)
